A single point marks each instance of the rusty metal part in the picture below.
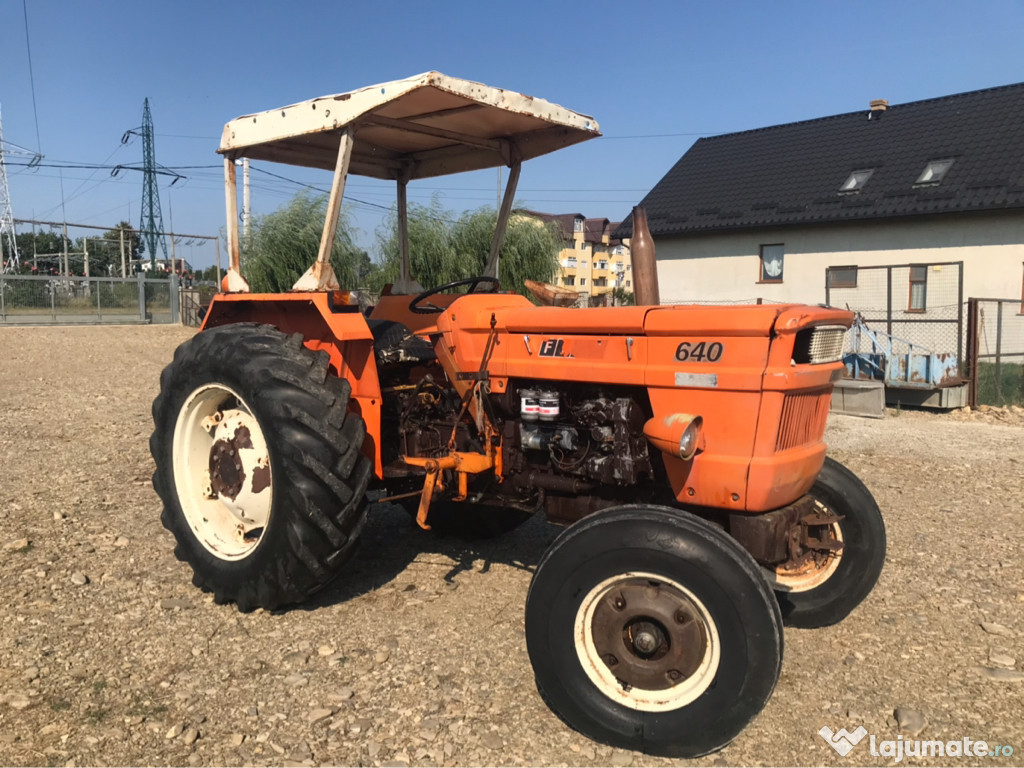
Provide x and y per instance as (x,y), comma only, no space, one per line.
(261,478)
(648,634)
(770,537)
(790,536)
(226,473)
(552,482)
(645,268)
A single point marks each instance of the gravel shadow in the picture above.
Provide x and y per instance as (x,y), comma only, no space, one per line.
(391,542)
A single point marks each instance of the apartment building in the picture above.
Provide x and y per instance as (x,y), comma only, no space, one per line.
(592,262)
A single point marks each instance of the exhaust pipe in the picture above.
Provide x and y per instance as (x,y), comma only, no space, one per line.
(645,268)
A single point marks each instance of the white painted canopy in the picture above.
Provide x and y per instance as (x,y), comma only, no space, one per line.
(423,126)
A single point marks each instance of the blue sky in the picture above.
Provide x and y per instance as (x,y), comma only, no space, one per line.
(656,75)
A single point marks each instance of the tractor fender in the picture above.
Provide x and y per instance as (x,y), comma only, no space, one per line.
(338,329)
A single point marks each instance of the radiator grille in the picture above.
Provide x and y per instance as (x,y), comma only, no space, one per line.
(803,419)
(823,344)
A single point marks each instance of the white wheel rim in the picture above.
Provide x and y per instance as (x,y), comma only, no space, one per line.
(222,472)
(812,574)
(674,693)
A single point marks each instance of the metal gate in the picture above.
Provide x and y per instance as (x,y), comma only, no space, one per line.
(995,351)
(60,300)
(921,304)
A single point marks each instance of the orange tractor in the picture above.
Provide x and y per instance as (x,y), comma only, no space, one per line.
(682,446)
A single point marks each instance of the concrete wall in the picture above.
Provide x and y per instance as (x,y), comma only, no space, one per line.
(727,266)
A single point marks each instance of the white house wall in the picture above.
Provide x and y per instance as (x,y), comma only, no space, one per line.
(727,267)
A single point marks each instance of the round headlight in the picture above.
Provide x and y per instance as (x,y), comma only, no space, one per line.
(688,442)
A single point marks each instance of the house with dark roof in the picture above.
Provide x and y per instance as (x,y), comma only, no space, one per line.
(592,262)
(764,213)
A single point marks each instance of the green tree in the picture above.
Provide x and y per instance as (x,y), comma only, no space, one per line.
(433,260)
(443,249)
(133,247)
(35,247)
(623,298)
(282,245)
(529,251)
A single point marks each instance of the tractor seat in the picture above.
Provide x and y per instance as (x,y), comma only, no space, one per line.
(393,342)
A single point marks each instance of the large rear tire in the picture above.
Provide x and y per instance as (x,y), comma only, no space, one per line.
(650,629)
(822,590)
(258,464)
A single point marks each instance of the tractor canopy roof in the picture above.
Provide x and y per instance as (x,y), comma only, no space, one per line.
(420,127)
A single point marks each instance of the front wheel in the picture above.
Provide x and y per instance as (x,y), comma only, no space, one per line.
(258,464)
(650,629)
(822,588)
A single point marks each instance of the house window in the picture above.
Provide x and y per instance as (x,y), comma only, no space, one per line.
(934,172)
(627,283)
(629,267)
(600,282)
(570,263)
(856,180)
(570,280)
(583,281)
(771,263)
(602,265)
(918,288)
(583,245)
(577,225)
(842,277)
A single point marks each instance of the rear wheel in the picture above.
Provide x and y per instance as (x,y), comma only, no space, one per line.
(822,587)
(259,465)
(649,629)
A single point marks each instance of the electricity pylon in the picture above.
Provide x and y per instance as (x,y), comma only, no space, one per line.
(10,264)
(151,226)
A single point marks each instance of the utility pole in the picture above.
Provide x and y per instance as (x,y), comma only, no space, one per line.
(245,199)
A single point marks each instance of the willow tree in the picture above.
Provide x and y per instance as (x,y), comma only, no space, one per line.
(282,245)
(443,248)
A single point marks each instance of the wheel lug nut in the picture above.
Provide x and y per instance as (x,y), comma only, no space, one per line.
(681,617)
(619,603)
(610,660)
(674,674)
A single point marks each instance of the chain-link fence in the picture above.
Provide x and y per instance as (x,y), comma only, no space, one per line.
(36,300)
(995,342)
(920,304)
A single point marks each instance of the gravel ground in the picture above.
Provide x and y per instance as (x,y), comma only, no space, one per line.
(108,655)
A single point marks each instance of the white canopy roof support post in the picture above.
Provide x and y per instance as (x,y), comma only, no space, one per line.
(405,284)
(506,209)
(235,281)
(403,230)
(320,276)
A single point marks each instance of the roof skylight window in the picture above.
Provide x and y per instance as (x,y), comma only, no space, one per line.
(934,172)
(856,180)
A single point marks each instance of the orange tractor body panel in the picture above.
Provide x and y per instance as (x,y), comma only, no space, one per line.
(344,336)
(763,417)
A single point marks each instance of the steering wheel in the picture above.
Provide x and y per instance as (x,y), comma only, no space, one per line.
(417,305)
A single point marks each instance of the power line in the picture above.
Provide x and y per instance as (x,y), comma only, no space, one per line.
(31,75)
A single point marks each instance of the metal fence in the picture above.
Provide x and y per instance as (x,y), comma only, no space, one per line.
(995,348)
(46,300)
(922,304)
